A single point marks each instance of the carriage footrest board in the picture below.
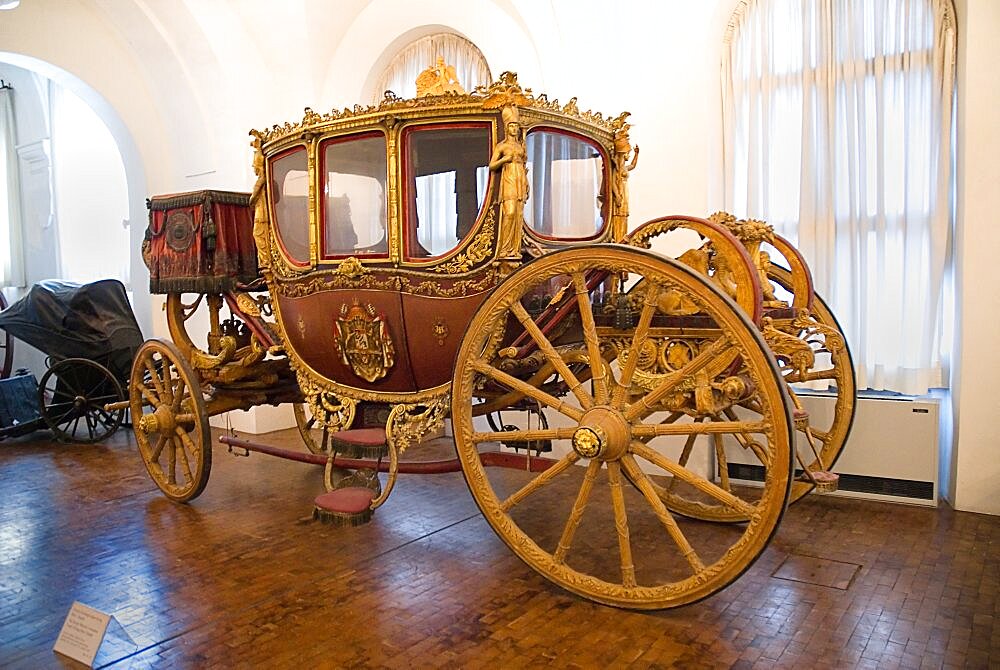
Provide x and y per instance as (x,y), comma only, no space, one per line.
(19,412)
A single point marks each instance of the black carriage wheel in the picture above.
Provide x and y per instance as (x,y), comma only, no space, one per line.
(6,346)
(72,395)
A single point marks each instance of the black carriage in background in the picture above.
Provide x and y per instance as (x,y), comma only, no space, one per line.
(89,335)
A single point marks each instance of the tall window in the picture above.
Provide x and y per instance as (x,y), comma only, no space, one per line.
(400,75)
(838,131)
(11,266)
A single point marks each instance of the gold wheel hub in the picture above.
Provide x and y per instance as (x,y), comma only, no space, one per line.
(603,434)
(160,421)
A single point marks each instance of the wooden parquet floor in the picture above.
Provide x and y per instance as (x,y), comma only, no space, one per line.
(242,578)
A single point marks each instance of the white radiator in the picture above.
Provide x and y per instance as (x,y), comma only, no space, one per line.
(891,454)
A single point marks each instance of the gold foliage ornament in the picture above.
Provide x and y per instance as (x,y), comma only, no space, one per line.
(364,341)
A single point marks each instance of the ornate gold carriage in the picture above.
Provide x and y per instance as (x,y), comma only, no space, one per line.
(468,256)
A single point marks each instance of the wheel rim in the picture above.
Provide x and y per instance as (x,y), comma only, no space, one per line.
(829,436)
(6,346)
(575,525)
(72,395)
(170,421)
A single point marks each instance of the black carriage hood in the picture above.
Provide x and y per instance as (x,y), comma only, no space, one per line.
(67,320)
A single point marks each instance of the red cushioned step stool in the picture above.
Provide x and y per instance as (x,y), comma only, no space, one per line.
(349,506)
(347,501)
(360,443)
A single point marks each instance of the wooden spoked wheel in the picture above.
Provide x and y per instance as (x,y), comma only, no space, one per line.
(579,523)
(72,395)
(316,437)
(170,420)
(6,346)
(834,365)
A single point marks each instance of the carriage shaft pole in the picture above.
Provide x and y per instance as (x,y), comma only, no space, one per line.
(488,458)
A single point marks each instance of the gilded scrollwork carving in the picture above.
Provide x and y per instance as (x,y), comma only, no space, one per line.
(478,250)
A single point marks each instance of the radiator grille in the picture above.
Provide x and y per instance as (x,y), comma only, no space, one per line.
(903,488)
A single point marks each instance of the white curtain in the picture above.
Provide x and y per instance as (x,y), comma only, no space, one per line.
(838,131)
(400,76)
(11,257)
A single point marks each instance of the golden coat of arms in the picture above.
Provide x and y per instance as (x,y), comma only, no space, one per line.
(364,341)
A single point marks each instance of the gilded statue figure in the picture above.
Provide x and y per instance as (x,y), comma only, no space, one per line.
(511,157)
(625,159)
(259,204)
(438,79)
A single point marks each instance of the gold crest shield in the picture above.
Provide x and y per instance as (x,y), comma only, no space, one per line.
(364,341)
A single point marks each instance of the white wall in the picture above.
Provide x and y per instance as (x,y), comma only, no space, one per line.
(188,79)
(976,398)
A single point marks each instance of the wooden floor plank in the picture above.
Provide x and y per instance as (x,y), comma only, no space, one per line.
(242,578)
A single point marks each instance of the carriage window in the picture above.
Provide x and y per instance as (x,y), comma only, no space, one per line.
(566,196)
(447,174)
(290,194)
(354,204)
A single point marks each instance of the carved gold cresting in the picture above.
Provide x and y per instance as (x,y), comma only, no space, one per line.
(438,79)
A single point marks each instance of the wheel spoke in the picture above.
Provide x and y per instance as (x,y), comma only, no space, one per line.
(90,425)
(536,394)
(576,514)
(700,483)
(655,430)
(575,386)
(541,480)
(685,453)
(185,439)
(597,370)
(175,406)
(748,443)
(154,377)
(621,524)
(638,339)
(172,461)
(537,434)
(720,459)
(669,523)
(161,442)
(649,402)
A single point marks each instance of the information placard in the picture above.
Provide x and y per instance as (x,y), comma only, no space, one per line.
(82,633)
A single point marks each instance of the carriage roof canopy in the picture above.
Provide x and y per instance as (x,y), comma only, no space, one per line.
(67,320)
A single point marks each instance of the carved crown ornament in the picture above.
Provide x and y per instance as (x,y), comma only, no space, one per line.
(503,92)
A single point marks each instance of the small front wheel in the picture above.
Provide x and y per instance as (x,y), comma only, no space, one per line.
(170,420)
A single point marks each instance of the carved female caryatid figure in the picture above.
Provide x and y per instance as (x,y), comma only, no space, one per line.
(624,162)
(511,157)
(259,205)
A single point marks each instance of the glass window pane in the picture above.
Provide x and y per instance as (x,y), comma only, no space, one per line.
(354,207)
(566,173)
(290,193)
(447,170)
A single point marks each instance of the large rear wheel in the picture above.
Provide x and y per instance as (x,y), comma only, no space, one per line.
(579,522)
